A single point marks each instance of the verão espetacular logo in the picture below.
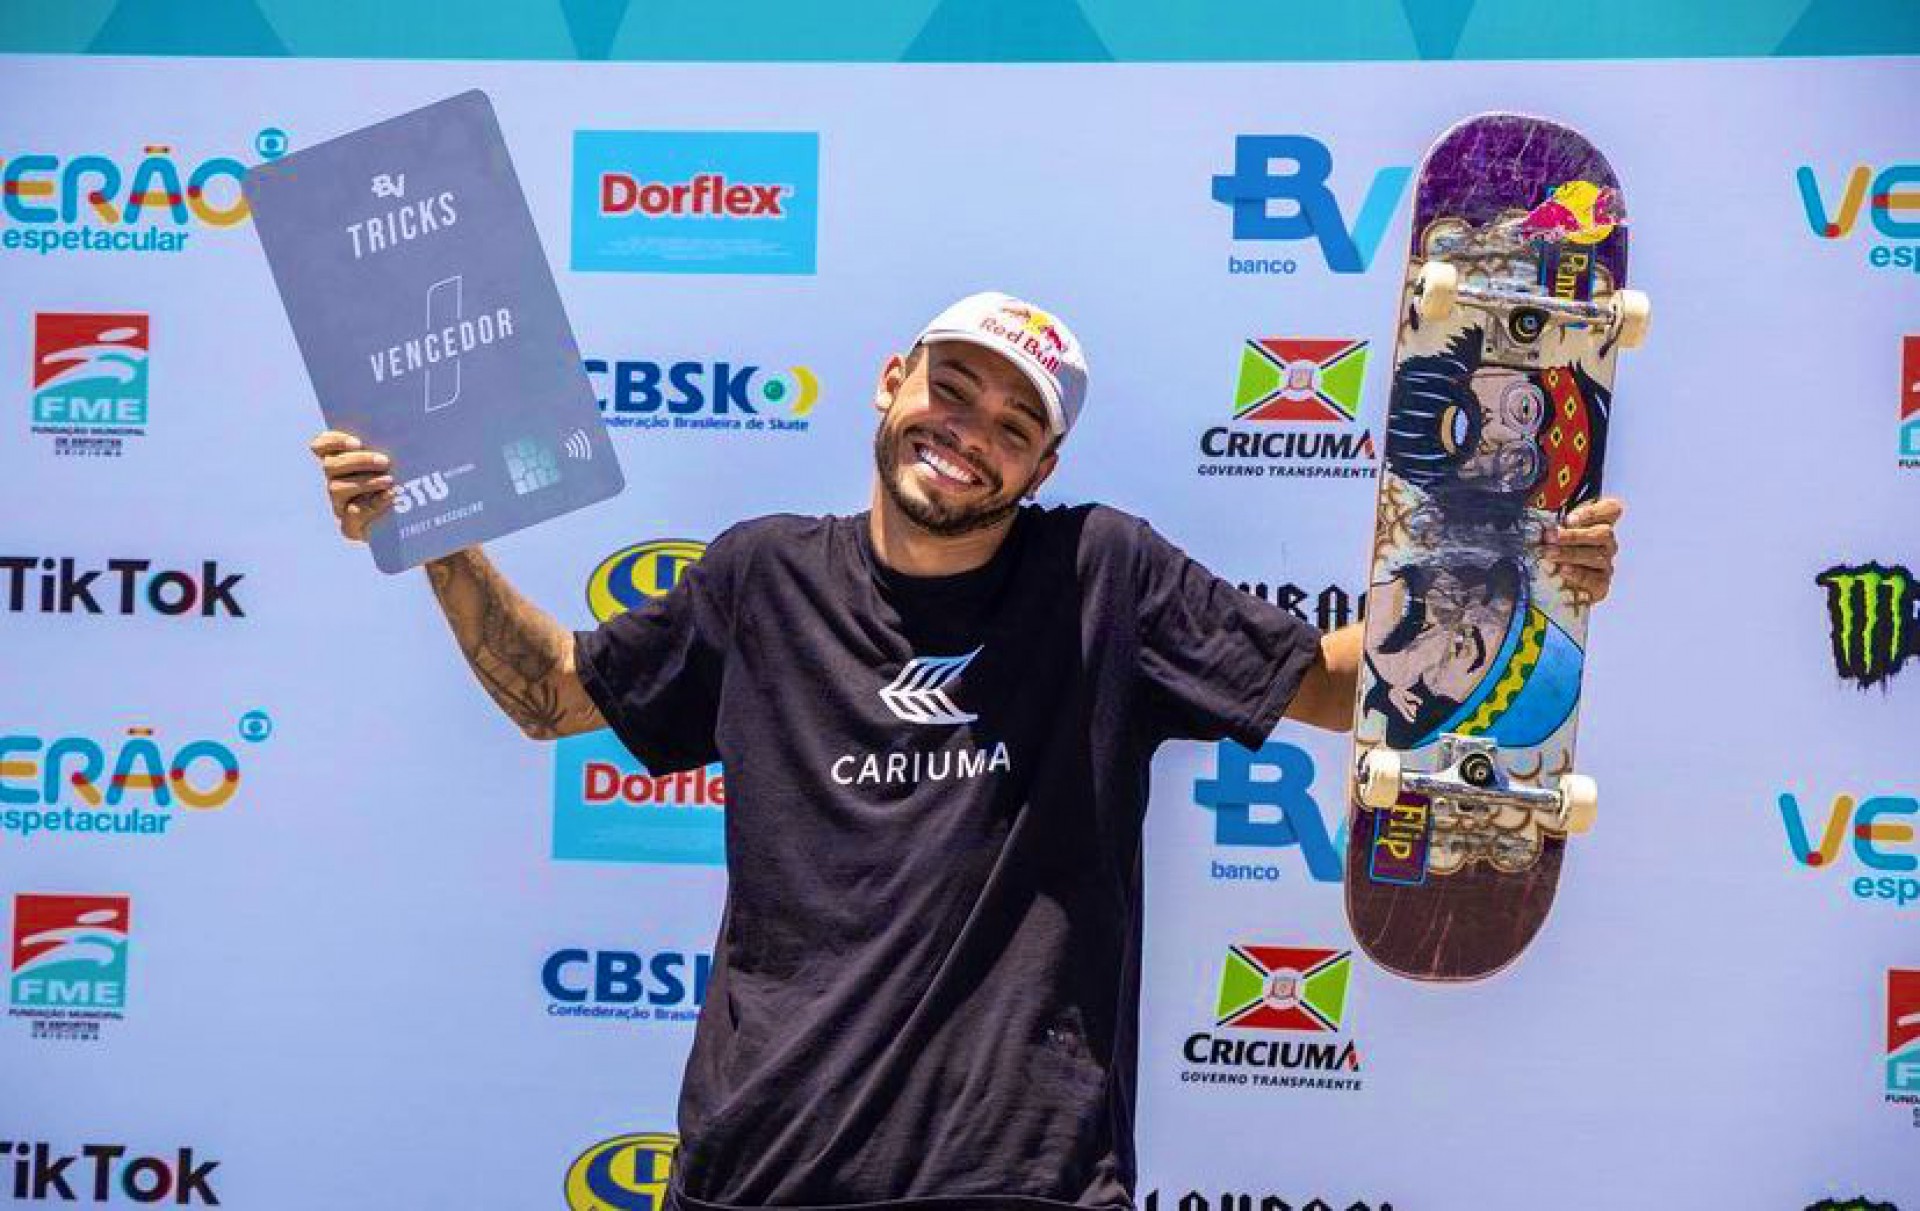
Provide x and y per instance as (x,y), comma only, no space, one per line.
(695,201)
(1889,197)
(90,381)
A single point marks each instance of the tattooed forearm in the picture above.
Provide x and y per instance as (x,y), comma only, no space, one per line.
(520,655)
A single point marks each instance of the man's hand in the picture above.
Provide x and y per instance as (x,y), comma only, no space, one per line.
(359,481)
(1581,551)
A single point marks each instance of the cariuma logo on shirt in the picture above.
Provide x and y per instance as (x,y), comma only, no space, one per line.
(918,695)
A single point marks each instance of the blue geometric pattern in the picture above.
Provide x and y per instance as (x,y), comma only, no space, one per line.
(986,31)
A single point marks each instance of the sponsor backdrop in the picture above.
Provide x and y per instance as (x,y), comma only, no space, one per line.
(295,919)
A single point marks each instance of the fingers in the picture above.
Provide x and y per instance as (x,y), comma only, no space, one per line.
(359,514)
(1607,511)
(1584,586)
(333,441)
(344,490)
(358,462)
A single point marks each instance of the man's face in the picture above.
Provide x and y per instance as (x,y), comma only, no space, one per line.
(963,436)
(1432,636)
(1512,409)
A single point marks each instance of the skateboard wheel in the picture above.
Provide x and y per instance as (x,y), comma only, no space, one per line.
(1436,290)
(1632,313)
(1526,324)
(1380,778)
(1476,769)
(1579,802)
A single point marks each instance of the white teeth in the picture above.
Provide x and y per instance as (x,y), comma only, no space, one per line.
(951,470)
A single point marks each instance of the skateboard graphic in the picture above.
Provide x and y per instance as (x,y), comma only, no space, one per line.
(1512,314)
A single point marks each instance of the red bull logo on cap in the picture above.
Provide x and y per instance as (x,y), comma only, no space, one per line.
(1032,331)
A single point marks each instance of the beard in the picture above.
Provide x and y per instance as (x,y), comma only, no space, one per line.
(945,520)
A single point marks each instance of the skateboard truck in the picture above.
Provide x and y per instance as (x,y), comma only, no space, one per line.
(1525,316)
(1468,778)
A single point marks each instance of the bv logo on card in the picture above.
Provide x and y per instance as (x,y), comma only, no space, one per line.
(431,327)
(648,201)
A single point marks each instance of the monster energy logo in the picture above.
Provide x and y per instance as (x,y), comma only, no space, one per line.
(1871,609)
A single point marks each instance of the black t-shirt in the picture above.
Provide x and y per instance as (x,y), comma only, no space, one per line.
(927,979)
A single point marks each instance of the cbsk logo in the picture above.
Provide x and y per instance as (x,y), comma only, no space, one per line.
(61,586)
(667,986)
(69,962)
(1293,171)
(703,395)
(1903,1035)
(1910,403)
(90,381)
(607,807)
(1873,620)
(695,201)
(96,204)
(1872,829)
(1274,812)
(1891,198)
(625,1173)
(37,776)
(41,1175)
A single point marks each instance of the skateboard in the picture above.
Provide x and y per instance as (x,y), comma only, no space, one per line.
(1513,312)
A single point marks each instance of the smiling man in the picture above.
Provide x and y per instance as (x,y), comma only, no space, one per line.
(937,719)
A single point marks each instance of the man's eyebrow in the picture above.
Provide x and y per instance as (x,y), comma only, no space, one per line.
(1028,409)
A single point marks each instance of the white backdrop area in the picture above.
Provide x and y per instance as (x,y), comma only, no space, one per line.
(368,947)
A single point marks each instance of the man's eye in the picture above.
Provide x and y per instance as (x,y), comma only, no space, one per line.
(1016,435)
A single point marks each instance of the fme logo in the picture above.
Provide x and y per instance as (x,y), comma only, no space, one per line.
(69,963)
(606,806)
(1261,800)
(1279,190)
(1903,1033)
(90,381)
(648,201)
(1891,198)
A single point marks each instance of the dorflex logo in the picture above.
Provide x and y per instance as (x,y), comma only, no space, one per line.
(50,584)
(133,786)
(1280,190)
(606,806)
(89,381)
(1268,990)
(1876,831)
(107,1173)
(647,396)
(69,963)
(626,985)
(1888,195)
(625,1173)
(1910,403)
(1262,800)
(98,203)
(695,201)
(1296,407)
(1873,621)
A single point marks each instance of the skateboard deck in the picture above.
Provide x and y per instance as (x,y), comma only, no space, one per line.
(1512,315)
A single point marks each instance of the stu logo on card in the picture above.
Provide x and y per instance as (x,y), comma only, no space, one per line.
(431,327)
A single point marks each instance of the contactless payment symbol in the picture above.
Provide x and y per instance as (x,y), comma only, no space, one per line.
(1286,379)
(1283,988)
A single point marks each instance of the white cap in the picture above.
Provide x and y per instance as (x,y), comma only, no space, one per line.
(1036,341)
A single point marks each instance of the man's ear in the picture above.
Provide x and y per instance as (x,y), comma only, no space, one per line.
(1045,471)
(891,376)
